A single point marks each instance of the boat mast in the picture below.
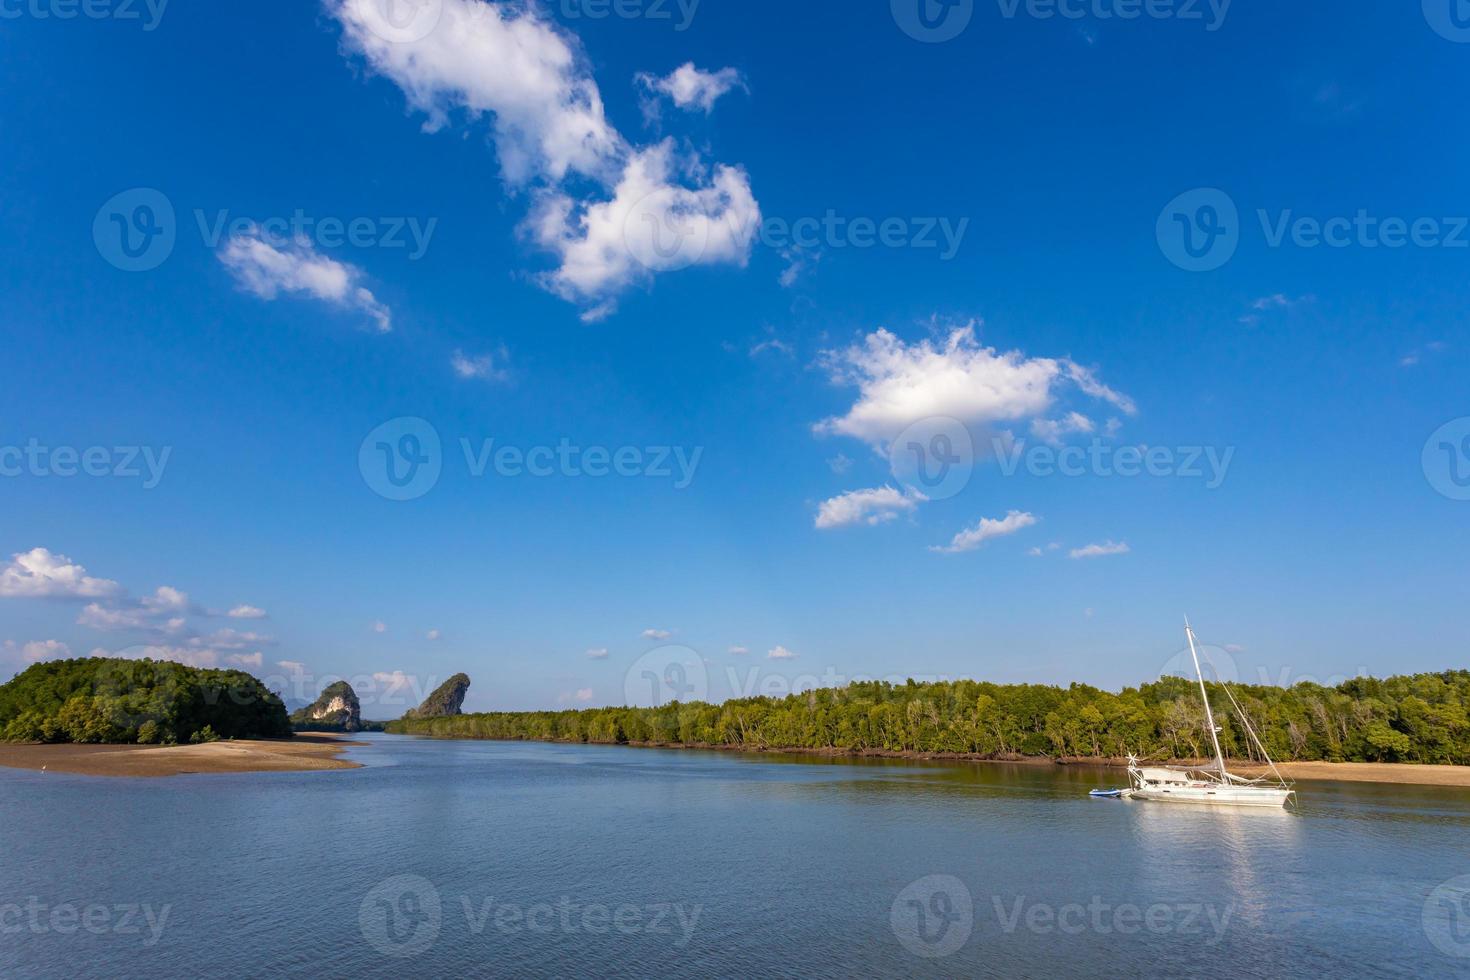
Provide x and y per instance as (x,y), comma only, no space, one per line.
(1209,715)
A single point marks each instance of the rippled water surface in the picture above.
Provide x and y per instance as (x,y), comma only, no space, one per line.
(474,858)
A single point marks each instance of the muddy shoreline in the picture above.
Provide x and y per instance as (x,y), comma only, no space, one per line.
(304,753)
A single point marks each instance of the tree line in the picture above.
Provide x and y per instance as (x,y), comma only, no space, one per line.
(1420,718)
(105,700)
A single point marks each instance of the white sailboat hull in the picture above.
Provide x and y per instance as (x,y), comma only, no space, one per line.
(1216,795)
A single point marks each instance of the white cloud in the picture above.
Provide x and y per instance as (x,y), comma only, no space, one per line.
(839,464)
(1054,430)
(494,59)
(267,271)
(584,694)
(739,651)
(781,653)
(798,260)
(292,666)
(1101,550)
(481,366)
(871,507)
(246,612)
(39,650)
(395,685)
(228,639)
(605,208)
(165,600)
(691,88)
(256,660)
(379,627)
(655,634)
(651,224)
(432,635)
(598,653)
(107,619)
(771,344)
(989,527)
(900,384)
(39,574)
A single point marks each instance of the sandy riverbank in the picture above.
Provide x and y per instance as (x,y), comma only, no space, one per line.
(304,753)
(1372,772)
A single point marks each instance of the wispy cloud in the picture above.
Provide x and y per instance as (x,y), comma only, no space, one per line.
(1414,357)
(298,270)
(1101,550)
(870,507)
(691,88)
(988,528)
(1274,302)
(483,367)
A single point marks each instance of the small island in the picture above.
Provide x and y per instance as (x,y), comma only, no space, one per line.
(115,717)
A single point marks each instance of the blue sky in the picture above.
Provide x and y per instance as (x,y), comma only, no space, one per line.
(1028,172)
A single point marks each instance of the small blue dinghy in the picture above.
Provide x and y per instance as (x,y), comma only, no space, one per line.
(1107,794)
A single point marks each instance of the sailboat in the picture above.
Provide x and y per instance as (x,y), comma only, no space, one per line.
(1211,783)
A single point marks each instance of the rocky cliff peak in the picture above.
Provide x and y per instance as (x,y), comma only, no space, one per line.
(445,701)
(337,707)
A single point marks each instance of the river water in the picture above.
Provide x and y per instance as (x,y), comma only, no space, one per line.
(496,859)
